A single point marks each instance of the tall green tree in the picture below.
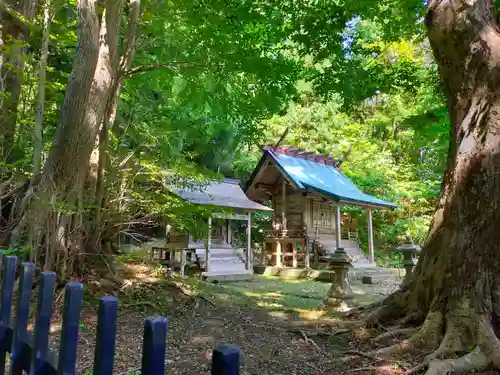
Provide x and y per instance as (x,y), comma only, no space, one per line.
(453,290)
(150,86)
(452,294)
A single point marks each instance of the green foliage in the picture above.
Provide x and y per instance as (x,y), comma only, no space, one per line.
(389,260)
(211,82)
(21,251)
(399,142)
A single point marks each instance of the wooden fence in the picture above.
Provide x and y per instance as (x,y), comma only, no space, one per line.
(30,353)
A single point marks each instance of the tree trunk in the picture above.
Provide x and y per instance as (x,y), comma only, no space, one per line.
(56,206)
(109,120)
(13,15)
(455,288)
(37,135)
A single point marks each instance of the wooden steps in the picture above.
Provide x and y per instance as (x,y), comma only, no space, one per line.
(225,264)
(358,258)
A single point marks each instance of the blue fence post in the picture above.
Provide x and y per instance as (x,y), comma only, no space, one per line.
(73,297)
(42,324)
(20,358)
(106,336)
(8,279)
(154,346)
(226,360)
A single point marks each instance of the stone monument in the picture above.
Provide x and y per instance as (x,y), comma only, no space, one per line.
(340,290)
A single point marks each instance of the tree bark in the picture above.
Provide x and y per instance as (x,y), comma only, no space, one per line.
(110,118)
(57,226)
(15,31)
(455,288)
(37,134)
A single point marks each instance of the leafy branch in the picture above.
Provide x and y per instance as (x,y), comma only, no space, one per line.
(149,68)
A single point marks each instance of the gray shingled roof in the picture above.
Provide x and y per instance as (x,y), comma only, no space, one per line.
(227,193)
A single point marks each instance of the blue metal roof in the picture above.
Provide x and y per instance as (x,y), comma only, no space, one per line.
(324,179)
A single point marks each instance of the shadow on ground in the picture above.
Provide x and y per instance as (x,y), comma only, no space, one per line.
(280,326)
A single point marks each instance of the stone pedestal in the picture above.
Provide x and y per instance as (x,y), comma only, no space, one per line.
(340,291)
(410,253)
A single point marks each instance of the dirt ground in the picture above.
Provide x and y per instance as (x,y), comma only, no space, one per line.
(280,326)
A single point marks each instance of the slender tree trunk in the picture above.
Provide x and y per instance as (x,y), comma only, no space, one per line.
(455,288)
(37,134)
(16,32)
(110,118)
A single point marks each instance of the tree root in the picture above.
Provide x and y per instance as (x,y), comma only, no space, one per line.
(395,333)
(459,334)
(427,336)
(357,353)
(391,308)
(449,330)
(468,364)
(450,345)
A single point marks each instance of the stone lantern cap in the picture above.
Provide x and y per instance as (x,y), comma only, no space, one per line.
(340,258)
(409,247)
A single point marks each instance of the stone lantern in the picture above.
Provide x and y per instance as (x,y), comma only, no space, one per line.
(410,252)
(340,291)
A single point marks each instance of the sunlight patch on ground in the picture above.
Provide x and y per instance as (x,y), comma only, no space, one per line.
(278,314)
(358,290)
(141,272)
(387,370)
(310,314)
(272,294)
(268,304)
(301,298)
(252,294)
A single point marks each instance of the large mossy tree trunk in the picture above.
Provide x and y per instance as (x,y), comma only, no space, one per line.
(51,215)
(454,293)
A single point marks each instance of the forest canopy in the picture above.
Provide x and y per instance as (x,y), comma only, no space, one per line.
(185,90)
(106,103)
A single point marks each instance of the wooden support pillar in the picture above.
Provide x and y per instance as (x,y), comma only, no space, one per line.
(338,229)
(223,231)
(167,234)
(294,255)
(183,261)
(315,255)
(371,248)
(283,207)
(263,253)
(278,254)
(208,246)
(229,232)
(248,262)
(307,259)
